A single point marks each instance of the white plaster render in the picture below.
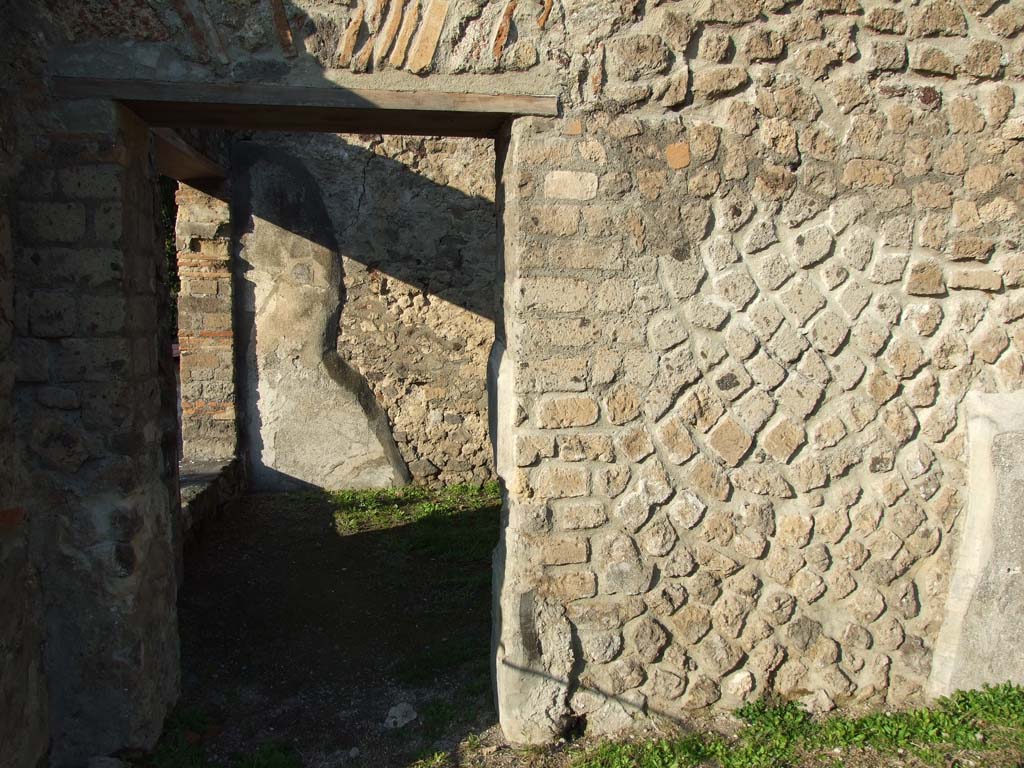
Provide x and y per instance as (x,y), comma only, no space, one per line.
(978,642)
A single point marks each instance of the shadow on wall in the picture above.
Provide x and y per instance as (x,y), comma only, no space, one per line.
(299,205)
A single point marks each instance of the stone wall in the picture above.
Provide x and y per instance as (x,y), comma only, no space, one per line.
(24,730)
(24,722)
(421,264)
(205,324)
(412,224)
(751,275)
(740,348)
(95,424)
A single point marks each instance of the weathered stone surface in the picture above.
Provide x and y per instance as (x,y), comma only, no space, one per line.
(971,645)
(303,402)
(1006,21)
(637,56)
(622,570)
(931,60)
(882,19)
(888,55)
(727,12)
(868,173)
(678,155)
(974,279)
(925,279)
(570,185)
(647,638)
(717,81)
(566,411)
(983,59)
(560,481)
(940,17)
(783,439)
(622,404)
(730,441)
(763,45)
(708,276)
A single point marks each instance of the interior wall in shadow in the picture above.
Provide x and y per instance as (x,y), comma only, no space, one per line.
(413,220)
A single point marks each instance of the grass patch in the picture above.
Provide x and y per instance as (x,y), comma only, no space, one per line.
(370,510)
(990,720)
(454,529)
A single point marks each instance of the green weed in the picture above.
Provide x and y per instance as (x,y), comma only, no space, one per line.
(436,760)
(357,511)
(777,735)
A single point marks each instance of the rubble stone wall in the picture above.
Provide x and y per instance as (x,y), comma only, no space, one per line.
(413,222)
(421,261)
(740,337)
(750,276)
(740,465)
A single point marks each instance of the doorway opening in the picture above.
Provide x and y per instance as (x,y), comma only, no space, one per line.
(269,243)
(139,612)
(366,279)
(315,614)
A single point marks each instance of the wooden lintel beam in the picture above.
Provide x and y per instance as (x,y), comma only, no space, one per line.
(286,107)
(178,159)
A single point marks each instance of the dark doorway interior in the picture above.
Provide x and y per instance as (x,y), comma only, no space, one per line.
(308,620)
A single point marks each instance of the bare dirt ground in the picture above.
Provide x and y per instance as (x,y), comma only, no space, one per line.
(296,635)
